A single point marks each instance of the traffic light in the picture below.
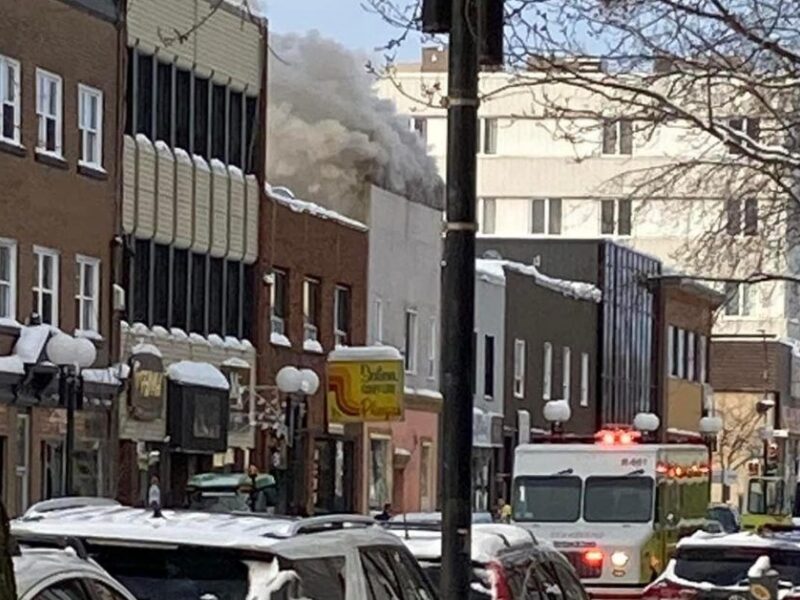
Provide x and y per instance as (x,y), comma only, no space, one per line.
(436,16)
(490,32)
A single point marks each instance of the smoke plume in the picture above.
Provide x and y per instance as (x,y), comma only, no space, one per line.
(328,131)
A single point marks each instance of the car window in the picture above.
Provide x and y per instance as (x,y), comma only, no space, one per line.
(103,591)
(380,577)
(547,584)
(570,585)
(412,580)
(70,589)
(321,578)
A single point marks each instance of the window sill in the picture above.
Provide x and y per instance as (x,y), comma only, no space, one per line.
(279,340)
(52,160)
(92,171)
(12,148)
(313,347)
(488,398)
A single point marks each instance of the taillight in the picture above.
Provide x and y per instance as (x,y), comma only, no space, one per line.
(668,590)
(593,558)
(497,577)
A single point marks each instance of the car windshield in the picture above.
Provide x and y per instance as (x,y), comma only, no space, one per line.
(547,499)
(184,573)
(729,566)
(618,499)
(219,502)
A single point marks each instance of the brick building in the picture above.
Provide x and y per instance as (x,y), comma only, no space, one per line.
(59,132)
(315,300)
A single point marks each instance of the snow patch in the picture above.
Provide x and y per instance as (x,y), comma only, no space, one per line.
(9,322)
(200,163)
(178,333)
(107,376)
(358,353)
(278,339)
(236,363)
(217,165)
(143,139)
(140,329)
(31,343)
(160,332)
(579,290)
(301,206)
(423,393)
(247,345)
(760,567)
(163,146)
(313,346)
(196,338)
(12,365)
(197,373)
(233,343)
(236,172)
(89,334)
(124,325)
(216,341)
(183,156)
(145,348)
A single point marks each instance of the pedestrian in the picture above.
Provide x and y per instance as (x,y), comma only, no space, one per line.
(503,514)
(252,472)
(154,496)
(386,514)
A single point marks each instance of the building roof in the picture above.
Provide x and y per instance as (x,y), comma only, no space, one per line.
(285,198)
(495,269)
(104,9)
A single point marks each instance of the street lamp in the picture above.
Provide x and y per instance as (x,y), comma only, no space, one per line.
(70,355)
(709,427)
(557,412)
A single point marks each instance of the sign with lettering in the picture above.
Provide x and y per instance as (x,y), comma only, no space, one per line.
(365,391)
(146,394)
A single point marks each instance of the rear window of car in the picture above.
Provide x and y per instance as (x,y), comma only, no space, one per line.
(321,578)
(728,566)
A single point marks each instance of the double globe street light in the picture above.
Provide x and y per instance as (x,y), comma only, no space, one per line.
(70,355)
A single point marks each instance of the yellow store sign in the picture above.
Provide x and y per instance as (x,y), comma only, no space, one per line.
(365,390)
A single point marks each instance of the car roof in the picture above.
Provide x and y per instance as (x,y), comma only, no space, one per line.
(229,480)
(36,564)
(436,517)
(488,540)
(247,531)
(788,539)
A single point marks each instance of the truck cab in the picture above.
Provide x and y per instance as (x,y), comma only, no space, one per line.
(231,492)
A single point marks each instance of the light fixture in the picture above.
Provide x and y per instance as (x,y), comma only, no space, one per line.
(710,425)
(646,422)
(289,380)
(557,411)
(619,559)
(60,350)
(85,352)
(309,382)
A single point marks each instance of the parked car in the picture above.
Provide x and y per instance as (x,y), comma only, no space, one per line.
(231,492)
(508,562)
(727,516)
(708,565)
(436,517)
(61,573)
(190,555)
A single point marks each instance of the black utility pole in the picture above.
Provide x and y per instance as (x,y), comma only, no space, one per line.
(458,293)
(68,386)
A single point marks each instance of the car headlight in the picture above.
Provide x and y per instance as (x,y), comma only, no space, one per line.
(619,559)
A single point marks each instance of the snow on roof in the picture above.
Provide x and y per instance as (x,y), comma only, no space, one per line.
(301,206)
(107,376)
(359,353)
(12,365)
(423,393)
(31,343)
(236,363)
(494,269)
(9,322)
(145,348)
(201,374)
(312,346)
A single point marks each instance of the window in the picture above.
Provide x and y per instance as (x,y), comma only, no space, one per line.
(740,222)
(584,379)
(251,132)
(199,276)
(90,123)
(341,307)
(183,108)
(279,302)
(488,367)
(615,217)
(378,321)
(219,122)
(215,295)
(379,472)
(681,353)
(690,356)
(235,124)
(672,335)
(311,299)
(737,302)
(547,374)
(164,118)
(69,589)
(8,279)
(22,470)
(489,138)
(566,373)
(87,292)
(52,454)
(546,216)
(426,476)
(749,126)
(519,368)
(201,93)
(49,112)
(489,215)
(617,136)
(411,342)
(420,126)
(141,282)
(750,216)
(160,285)
(144,94)
(10,100)
(702,358)
(233,305)
(432,350)
(45,285)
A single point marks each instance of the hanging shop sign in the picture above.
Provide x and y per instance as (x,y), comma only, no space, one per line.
(361,391)
(146,395)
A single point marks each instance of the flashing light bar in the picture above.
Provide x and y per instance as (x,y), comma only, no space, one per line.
(614,437)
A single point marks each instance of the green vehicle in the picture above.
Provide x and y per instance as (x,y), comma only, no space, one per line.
(232,492)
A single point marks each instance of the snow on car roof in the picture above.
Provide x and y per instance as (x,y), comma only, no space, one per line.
(744,539)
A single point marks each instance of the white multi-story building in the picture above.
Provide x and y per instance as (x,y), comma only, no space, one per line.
(547,174)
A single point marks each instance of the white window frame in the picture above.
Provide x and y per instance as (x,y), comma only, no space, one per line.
(82,263)
(11,283)
(547,373)
(43,76)
(547,209)
(671,341)
(744,304)
(379,321)
(519,368)
(566,373)
(310,330)
(411,340)
(690,356)
(277,325)
(681,352)
(16,100)
(489,132)
(584,379)
(38,289)
(86,92)
(422,131)
(22,469)
(432,349)
(702,351)
(340,335)
(616,220)
(617,123)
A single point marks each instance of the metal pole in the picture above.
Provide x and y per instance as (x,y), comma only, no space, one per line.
(69,451)
(458,292)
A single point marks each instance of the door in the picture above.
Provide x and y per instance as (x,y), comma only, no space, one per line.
(334,480)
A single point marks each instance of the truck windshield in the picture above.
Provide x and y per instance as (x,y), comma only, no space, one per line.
(618,500)
(554,499)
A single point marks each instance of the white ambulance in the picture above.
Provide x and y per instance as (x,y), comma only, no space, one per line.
(615,508)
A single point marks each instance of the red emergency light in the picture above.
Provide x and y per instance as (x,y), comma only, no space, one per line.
(593,558)
(614,437)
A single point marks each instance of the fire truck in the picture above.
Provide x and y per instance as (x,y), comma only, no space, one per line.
(615,508)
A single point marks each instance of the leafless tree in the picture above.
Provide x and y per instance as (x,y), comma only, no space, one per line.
(738,442)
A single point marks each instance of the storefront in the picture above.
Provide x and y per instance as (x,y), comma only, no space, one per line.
(487,442)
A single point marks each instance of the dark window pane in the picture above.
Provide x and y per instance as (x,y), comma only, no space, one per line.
(537,216)
(609,137)
(248,302)
(141,282)
(251,133)
(607,217)
(161,286)
(183,109)
(488,366)
(215,294)
(164,106)
(754,128)
(322,577)
(180,288)
(144,96)
(555,216)
(232,306)
(734,216)
(236,115)
(218,123)
(130,97)
(279,295)
(625,137)
(625,221)
(201,117)
(198,324)
(750,216)
(736,125)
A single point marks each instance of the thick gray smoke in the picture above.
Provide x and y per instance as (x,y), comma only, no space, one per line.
(329,133)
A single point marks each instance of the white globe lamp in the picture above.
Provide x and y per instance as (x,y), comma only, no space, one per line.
(85,352)
(557,411)
(646,422)
(61,350)
(310,382)
(710,425)
(289,380)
